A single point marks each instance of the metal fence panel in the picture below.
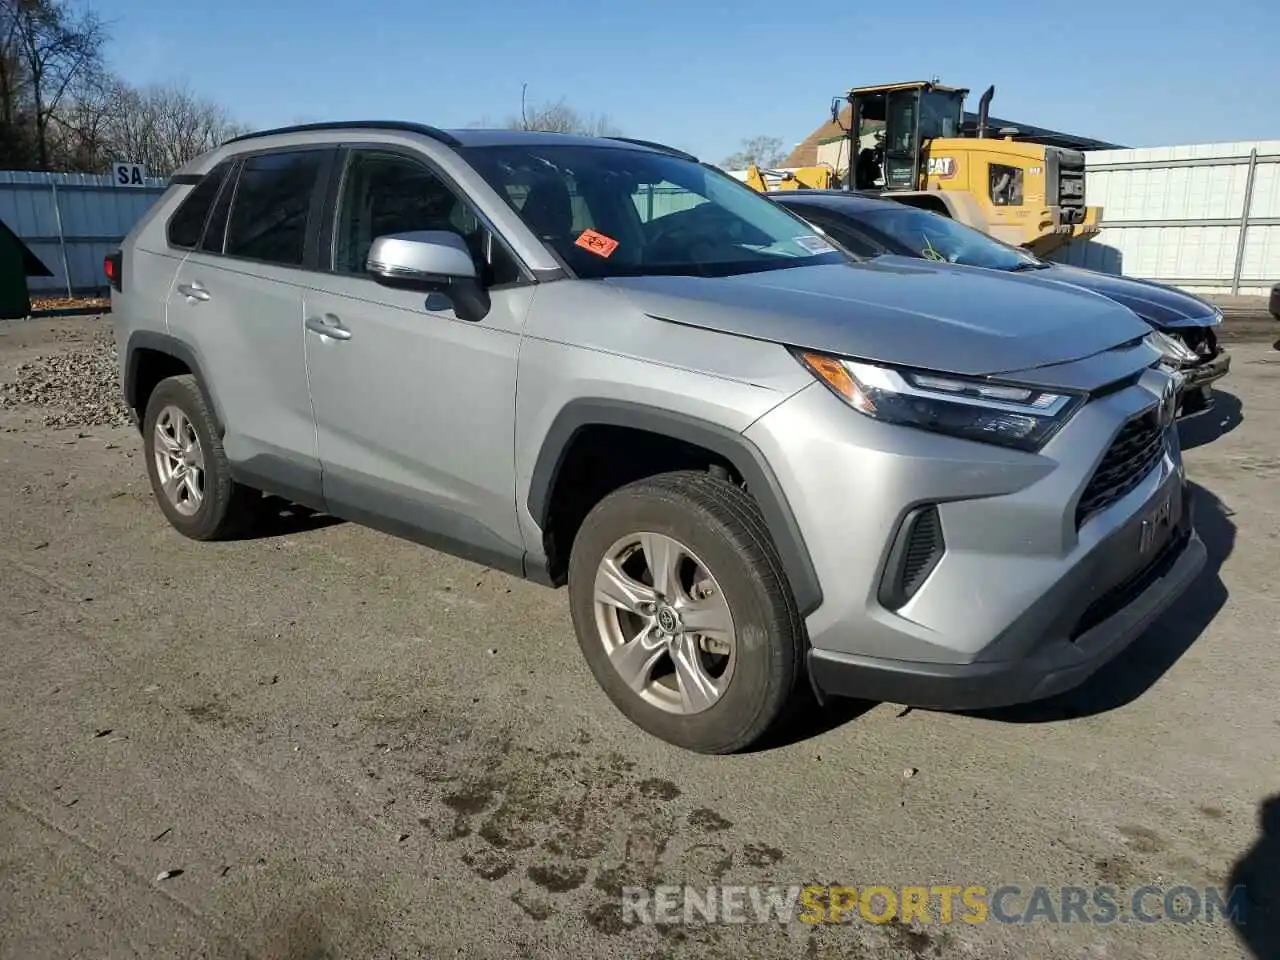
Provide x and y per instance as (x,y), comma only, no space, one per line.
(71,221)
(1205,217)
(1266,192)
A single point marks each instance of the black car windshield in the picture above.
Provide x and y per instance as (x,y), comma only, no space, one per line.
(612,211)
(935,237)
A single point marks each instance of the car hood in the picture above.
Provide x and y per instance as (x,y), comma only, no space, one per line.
(1160,305)
(899,310)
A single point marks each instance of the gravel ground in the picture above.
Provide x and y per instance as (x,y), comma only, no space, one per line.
(80,385)
(325,742)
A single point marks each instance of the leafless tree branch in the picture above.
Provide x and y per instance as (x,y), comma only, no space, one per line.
(559,117)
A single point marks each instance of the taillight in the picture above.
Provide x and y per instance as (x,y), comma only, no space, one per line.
(112,266)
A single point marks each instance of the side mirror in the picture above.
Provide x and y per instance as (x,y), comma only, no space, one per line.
(433,261)
(421,257)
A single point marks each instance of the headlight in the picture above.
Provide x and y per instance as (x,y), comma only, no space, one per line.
(972,408)
(1174,353)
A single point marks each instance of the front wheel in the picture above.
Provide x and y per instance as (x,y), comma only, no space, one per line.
(683,611)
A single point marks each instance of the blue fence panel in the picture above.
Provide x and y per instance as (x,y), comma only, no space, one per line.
(71,221)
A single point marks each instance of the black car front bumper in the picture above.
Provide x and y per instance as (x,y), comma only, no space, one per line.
(1196,395)
(1206,372)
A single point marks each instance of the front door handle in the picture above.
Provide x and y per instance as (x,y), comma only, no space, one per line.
(328,326)
(193,291)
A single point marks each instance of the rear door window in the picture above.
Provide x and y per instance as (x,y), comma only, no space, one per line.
(269,213)
(187,222)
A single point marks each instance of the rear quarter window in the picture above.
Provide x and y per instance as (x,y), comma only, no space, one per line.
(187,222)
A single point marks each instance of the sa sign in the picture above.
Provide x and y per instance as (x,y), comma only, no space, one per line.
(129,174)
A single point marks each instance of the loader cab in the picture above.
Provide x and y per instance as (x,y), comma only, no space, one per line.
(890,124)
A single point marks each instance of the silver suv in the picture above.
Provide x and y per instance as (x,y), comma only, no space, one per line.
(759,464)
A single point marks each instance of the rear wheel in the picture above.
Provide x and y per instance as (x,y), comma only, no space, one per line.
(188,469)
(683,612)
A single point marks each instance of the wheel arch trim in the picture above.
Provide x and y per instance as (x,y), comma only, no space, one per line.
(732,446)
(141,340)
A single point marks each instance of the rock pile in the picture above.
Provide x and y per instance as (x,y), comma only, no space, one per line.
(78,387)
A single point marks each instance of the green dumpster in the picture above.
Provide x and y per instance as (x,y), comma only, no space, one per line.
(17,263)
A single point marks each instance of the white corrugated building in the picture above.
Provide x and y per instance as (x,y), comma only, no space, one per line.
(1205,217)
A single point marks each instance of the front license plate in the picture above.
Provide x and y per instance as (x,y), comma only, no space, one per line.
(1157,523)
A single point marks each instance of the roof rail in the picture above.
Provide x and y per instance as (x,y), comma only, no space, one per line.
(660,147)
(401,125)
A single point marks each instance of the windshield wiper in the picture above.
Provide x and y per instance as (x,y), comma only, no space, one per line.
(1030,265)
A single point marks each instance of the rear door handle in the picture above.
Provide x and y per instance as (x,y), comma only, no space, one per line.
(193,291)
(328,326)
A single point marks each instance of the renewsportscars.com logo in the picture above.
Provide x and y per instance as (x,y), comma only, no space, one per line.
(937,904)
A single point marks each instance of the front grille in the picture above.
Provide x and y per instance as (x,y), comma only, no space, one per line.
(1132,455)
(916,550)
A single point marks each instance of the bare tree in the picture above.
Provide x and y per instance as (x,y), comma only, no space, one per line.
(60,108)
(17,146)
(559,117)
(82,130)
(160,126)
(762,151)
(181,124)
(55,48)
(13,81)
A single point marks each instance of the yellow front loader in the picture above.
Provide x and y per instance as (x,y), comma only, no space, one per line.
(909,141)
(821,176)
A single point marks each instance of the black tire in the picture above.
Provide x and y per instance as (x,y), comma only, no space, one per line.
(722,524)
(228,509)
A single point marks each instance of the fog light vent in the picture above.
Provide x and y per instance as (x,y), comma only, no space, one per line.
(916,550)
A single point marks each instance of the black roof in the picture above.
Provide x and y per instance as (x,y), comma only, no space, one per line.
(1030,133)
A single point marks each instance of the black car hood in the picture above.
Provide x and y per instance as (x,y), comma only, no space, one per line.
(1160,305)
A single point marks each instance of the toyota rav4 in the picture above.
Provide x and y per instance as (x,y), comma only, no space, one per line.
(757,463)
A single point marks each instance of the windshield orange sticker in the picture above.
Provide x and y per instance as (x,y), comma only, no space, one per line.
(597,243)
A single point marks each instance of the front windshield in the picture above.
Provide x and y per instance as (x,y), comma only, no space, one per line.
(935,237)
(611,211)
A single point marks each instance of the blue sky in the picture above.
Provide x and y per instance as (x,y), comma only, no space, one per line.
(703,75)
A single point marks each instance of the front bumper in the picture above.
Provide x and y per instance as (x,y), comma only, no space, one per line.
(1024,598)
(1196,394)
(1203,374)
(1072,648)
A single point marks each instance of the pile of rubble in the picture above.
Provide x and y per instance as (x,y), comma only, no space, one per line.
(78,387)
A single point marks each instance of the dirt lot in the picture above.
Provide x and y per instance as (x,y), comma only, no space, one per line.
(342,745)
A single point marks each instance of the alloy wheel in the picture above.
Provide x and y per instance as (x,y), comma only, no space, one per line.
(665,623)
(179,460)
